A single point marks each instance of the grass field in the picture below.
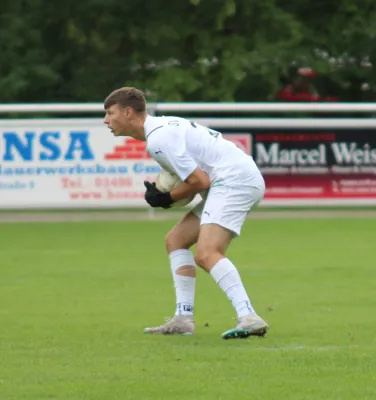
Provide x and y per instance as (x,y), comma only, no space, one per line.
(75,297)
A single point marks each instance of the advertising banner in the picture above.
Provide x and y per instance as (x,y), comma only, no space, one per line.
(63,163)
(325,167)
(70,163)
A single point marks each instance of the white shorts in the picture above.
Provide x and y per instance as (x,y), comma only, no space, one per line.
(229,205)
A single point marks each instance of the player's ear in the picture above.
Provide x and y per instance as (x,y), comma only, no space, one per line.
(127,111)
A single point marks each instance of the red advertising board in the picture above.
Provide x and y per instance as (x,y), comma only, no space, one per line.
(336,167)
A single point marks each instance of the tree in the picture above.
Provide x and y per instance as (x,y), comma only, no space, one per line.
(197,50)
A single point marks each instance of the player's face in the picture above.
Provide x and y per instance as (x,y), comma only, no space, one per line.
(118,119)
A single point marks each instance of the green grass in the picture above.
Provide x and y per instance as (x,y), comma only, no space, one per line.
(75,297)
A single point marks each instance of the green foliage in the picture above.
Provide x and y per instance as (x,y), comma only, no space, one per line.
(195,50)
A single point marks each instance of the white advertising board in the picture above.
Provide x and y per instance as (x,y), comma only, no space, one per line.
(74,163)
(70,163)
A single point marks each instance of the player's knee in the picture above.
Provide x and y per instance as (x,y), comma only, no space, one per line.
(170,242)
(203,257)
(174,241)
(208,256)
(184,234)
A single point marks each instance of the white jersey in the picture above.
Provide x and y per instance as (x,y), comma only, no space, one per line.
(180,146)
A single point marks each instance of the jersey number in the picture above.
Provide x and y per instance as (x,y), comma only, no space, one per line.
(173,123)
(211,131)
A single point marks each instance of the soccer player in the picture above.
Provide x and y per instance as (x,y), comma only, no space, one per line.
(230,184)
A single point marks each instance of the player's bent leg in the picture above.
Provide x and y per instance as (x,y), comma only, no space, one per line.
(184,234)
(178,241)
(211,248)
(212,244)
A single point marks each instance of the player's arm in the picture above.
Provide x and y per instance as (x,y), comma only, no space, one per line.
(168,149)
(198,181)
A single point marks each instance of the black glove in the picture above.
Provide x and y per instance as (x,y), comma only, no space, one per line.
(156,198)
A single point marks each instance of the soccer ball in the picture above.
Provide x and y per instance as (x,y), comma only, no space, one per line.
(166,182)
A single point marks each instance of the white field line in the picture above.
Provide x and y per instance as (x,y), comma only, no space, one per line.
(302,348)
(13,217)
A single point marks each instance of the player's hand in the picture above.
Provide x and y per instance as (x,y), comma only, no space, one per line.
(150,187)
(156,198)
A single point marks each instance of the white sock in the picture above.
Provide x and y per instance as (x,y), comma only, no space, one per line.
(227,277)
(184,285)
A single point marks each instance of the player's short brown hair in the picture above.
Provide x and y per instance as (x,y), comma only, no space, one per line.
(126,97)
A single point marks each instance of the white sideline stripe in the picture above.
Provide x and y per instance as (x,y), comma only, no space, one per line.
(45,252)
(14,217)
(314,348)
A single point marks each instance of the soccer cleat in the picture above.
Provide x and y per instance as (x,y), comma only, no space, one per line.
(249,325)
(178,325)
